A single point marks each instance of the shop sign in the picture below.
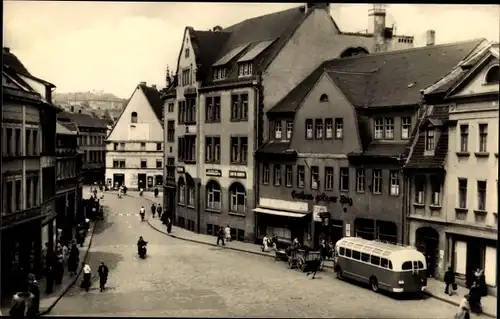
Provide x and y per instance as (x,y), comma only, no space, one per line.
(317,210)
(345,200)
(237,174)
(180,169)
(213,172)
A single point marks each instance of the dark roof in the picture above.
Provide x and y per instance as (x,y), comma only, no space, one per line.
(11,60)
(154,99)
(206,46)
(417,158)
(384,79)
(274,147)
(82,120)
(378,149)
(69,125)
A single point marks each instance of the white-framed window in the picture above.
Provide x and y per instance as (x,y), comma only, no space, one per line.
(429,139)
(483,138)
(277,130)
(265,173)
(379,129)
(394,180)
(289,130)
(377,181)
(182,191)
(462,193)
(481,195)
(319,128)
(329,178)
(419,189)
(238,198)
(219,73)
(301,176)
(464,138)
(309,129)
(314,177)
(360,180)
(405,127)
(389,128)
(339,128)
(328,128)
(213,195)
(288,176)
(277,175)
(190,199)
(436,191)
(344,179)
(245,69)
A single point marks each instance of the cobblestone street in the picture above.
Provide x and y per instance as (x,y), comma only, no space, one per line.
(180,278)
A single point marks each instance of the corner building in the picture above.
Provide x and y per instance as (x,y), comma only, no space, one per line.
(333,164)
(225,80)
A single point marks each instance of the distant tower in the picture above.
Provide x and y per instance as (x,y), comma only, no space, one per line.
(377,16)
(167,77)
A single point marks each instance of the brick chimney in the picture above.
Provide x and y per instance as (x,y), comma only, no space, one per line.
(378,14)
(6,50)
(153,86)
(143,83)
(431,37)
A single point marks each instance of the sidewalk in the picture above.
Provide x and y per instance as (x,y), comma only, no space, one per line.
(435,288)
(47,302)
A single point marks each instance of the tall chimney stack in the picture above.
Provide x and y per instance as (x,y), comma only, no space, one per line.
(378,15)
(143,83)
(431,37)
(153,86)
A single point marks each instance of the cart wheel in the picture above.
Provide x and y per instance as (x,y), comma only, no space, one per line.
(303,267)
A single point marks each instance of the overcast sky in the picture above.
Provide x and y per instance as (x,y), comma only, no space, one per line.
(112,46)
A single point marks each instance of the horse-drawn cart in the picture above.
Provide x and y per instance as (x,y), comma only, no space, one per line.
(303,259)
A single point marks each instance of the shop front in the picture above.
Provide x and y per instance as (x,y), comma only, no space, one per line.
(285,219)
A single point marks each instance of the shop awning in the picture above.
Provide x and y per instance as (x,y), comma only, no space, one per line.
(278,212)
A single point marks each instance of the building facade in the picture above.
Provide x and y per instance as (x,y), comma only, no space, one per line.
(317,182)
(225,80)
(69,180)
(28,171)
(134,156)
(461,227)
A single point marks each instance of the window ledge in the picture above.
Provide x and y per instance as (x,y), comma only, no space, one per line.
(461,210)
(463,154)
(239,120)
(435,207)
(289,186)
(277,185)
(360,192)
(376,193)
(188,123)
(238,163)
(212,162)
(266,184)
(237,214)
(190,206)
(482,154)
(480,212)
(181,204)
(213,210)
(212,122)
(189,162)
(418,205)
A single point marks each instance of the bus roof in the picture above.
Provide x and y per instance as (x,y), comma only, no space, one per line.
(376,247)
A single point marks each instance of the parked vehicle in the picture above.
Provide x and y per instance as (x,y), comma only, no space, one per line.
(382,265)
(302,259)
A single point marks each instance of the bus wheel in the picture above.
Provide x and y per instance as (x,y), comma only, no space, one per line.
(374,283)
(340,275)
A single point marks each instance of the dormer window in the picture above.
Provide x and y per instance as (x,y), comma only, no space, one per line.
(186,77)
(219,73)
(493,75)
(277,130)
(429,139)
(245,69)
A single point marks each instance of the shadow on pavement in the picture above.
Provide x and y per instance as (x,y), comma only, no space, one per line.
(395,296)
(101,226)
(110,259)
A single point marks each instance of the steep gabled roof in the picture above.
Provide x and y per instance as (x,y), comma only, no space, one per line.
(82,120)
(11,60)
(384,79)
(153,97)
(206,46)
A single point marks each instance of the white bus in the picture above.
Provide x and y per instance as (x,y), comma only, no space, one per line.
(382,265)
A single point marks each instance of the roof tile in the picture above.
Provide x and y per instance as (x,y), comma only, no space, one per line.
(82,120)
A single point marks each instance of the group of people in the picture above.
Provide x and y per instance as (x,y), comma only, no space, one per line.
(56,260)
(471,301)
(102,271)
(165,218)
(223,235)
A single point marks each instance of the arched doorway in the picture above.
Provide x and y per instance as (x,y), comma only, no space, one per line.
(427,242)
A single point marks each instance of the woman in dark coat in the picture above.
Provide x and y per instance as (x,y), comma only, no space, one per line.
(73,259)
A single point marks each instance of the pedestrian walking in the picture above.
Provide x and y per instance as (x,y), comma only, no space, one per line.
(314,267)
(49,279)
(153,210)
(59,268)
(159,210)
(87,276)
(475,298)
(103,272)
(156,192)
(34,288)
(65,253)
(227,233)
(220,236)
(449,280)
(463,309)
(169,225)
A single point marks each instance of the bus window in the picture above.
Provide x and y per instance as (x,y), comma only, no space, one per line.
(356,255)
(341,251)
(420,265)
(390,264)
(375,260)
(384,262)
(406,265)
(365,258)
(348,253)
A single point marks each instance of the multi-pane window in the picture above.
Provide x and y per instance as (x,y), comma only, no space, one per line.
(212,106)
(481,195)
(239,150)
(289,129)
(277,130)
(27,142)
(379,129)
(319,128)
(238,198)
(314,177)
(265,173)
(213,196)
(344,179)
(464,138)
(212,149)
(190,195)
(377,181)
(394,183)
(245,69)
(419,189)
(339,128)
(301,176)
(483,138)
(159,163)
(143,147)
(186,77)
(462,193)
(186,148)
(329,178)
(19,150)
(288,176)
(170,108)
(170,131)
(277,175)
(389,128)
(219,73)
(171,168)
(239,107)
(405,127)
(144,163)
(328,128)
(429,139)
(360,180)
(190,110)
(182,193)
(436,191)
(309,129)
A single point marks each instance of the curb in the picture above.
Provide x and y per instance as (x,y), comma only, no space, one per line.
(454,303)
(46,311)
